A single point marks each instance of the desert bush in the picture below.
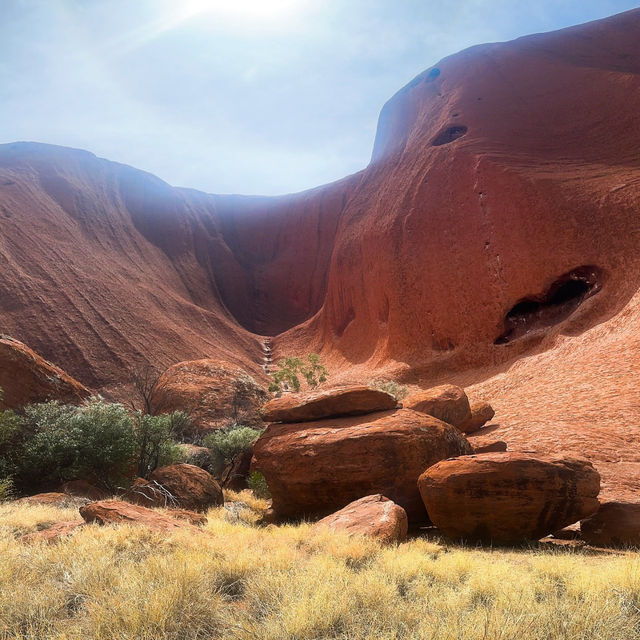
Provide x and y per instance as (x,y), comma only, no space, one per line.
(154,437)
(287,375)
(226,444)
(258,484)
(398,391)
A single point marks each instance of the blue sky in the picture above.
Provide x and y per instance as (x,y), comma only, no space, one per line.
(237,96)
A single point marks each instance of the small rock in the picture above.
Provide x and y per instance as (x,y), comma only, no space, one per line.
(446,402)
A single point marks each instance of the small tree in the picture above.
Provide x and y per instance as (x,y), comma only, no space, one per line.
(286,377)
(144,379)
(227,444)
(154,438)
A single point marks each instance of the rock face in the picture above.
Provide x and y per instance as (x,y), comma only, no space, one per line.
(118,512)
(481,413)
(508,497)
(212,392)
(447,403)
(614,524)
(315,468)
(373,516)
(317,405)
(26,377)
(490,447)
(193,488)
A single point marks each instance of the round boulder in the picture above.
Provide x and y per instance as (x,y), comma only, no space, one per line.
(508,497)
(481,413)
(615,524)
(315,468)
(446,402)
(191,487)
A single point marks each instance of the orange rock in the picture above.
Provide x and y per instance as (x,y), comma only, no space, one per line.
(490,447)
(52,498)
(330,403)
(84,489)
(191,487)
(55,533)
(447,403)
(26,377)
(374,516)
(212,392)
(614,524)
(508,497)
(314,468)
(118,512)
(481,413)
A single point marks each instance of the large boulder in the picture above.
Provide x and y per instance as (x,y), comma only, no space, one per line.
(373,516)
(315,468)
(118,512)
(508,497)
(446,402)
(26,377)
(614,524)
(481,413)
(177,486)
(212,392)
(317,405)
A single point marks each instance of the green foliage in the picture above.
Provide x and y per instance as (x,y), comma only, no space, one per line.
(257,483)
(154,437)
(398,391)
(6,489)
(287,376)
(226,444)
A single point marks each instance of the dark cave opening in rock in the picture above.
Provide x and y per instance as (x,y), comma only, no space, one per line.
(561,299)
(449,135)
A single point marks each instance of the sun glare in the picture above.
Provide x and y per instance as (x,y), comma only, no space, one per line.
(257,9)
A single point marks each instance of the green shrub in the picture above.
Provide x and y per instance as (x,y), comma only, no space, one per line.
(155,444)
(6,489)
(398,391)
(286,377)
(226,444)
(257,483)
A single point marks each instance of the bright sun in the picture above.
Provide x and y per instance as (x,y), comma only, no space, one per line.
(259,9)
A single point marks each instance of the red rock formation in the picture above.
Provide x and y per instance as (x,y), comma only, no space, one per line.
(330,403)
(373,516)
(446,402)
(481,413)
(508,497)
(211,392)
(614,524)
(26,377)
(314,468)
(191,487)
(55,533)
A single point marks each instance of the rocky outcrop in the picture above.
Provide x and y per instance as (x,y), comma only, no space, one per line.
(481,413)
(315,468)
(179,485)
(212,392)
(330,403)
(117,512)
(55,533)
(52,499)
(446,402)
(26,377)
(508,497)
(372,516)
(614,524)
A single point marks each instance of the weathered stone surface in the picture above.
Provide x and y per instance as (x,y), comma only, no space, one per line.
(490,447)
(26,377)
(481,413)
(55,533)
(330,403)
(191,487)
(118,512)
(52,498)
(374,516)
(508,497)
(315,468)
(614,524)
(212,392)
(446,402)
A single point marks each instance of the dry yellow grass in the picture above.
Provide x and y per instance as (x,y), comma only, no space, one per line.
(242,582)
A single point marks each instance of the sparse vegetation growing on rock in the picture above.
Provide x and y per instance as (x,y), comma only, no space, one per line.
(397,390)
(290,369)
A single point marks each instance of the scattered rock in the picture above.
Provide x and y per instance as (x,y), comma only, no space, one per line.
(481,413)
(317,405)
(316,468)
(192,488)
(508,497)
(26,377)
(119,512)
(490,447)
(53,499)
(447,403)
(614,524)
(210,391)
(54,533)
(374,516)
(84,489)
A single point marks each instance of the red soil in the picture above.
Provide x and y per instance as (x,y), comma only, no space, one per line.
(510,174)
